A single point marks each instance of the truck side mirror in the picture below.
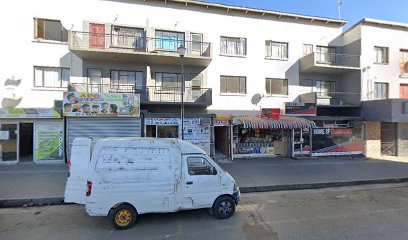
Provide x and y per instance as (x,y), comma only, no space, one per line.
(214,171)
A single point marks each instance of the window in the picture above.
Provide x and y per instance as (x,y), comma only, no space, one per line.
(51,77)
(196,44)
(381,55)
(276,50)
(168,81)
(167,131)
(307,49)
(380,90)
(325,54)
(50,30)
(325,88)
(169,41)
(232,84)
(200,166)
(95,80)
(276,86)
(126,80)
(233,46)
(404,62)
(128,37)
(404,108)
(196,81)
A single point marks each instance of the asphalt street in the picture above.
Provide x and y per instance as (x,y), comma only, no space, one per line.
(369,212)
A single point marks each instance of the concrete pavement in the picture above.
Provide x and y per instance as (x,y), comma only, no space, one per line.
(33,184)
(358,213)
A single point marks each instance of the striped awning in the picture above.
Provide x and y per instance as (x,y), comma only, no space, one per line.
(284,122)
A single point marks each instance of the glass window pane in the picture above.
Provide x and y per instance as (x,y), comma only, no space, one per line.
(233,84)
(199,166)
(65,75)
(223,84)
(167,131)
(53,30)
(51,77)
(242,85)
(38,77)
(268,85)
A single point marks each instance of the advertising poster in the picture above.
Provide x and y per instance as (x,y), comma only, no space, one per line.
(48,144)
(82,104)
(196,134)
(300,109)
(336,141)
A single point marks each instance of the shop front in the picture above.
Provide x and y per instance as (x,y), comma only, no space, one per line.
(255,136)
(197,130)
(100,115)
(31,135)
(222,136)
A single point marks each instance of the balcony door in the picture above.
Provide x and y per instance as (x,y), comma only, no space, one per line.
(325,55)
(404,91)
(96,36)
(196,44)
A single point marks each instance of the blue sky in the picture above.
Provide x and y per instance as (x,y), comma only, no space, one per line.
(352,10)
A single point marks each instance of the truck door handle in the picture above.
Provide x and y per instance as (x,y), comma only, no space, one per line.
(189,183)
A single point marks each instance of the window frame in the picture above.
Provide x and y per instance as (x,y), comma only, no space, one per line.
(240,78)
(234,54)
(162,39)
(271,42)
(403,62)
(305,45)
(387,55)
(386,93)
(270,86)
(213,172)
(318,89)
(166,89)
(62,38)
(43,79)
(118,86)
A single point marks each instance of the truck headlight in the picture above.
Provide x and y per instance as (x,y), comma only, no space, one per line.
(235,188)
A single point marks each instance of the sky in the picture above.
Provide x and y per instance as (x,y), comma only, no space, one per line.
(352,10)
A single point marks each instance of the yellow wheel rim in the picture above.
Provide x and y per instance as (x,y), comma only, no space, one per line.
(123,217)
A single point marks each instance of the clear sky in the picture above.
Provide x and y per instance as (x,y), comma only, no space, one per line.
(352,10)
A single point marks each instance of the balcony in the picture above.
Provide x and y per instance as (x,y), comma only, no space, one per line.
(152,94)
(329,63)
(385,110)
(126,48)
(332,99)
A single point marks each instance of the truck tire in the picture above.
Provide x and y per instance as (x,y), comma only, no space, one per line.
(123,216)
(224,207)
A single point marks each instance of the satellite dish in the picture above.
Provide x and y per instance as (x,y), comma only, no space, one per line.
(256,99)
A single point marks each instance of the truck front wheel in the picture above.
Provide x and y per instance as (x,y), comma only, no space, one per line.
(123,216)
(224,207)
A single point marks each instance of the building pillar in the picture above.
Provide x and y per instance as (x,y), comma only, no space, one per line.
(372,139)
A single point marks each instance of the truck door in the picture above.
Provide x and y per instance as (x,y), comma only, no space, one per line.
(201,183)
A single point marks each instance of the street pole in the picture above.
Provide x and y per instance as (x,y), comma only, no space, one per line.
(182,51)
(182,97)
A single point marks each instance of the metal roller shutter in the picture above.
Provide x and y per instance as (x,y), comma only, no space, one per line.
(101,127)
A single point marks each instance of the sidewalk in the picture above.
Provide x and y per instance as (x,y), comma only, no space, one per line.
(29,183)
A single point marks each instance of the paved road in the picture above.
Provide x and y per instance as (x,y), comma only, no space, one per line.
(378,212)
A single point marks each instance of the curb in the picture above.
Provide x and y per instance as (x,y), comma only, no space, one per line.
(288,187)
(291,187)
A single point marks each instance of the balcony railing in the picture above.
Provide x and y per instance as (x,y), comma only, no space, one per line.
(335,59)
(135,44)
(332,98)
(151,94)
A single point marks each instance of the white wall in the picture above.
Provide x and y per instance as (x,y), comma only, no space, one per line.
(389,73)
(20,52)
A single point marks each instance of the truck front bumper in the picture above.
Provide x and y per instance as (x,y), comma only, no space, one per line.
(237,196)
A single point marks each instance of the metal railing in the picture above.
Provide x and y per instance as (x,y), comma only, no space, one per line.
(150,93)
(336,59)
(331,98)
(131,43)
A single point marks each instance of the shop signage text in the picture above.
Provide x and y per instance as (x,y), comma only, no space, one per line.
(300,109)
(28,113)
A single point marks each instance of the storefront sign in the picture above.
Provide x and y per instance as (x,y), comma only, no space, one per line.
(48,143)
(162,121)
(273,113)
(219,123)
(29,113)
(336,141)
(300,109)
(82,104)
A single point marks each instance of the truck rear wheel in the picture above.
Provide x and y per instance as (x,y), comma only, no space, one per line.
(224,207)
(123,216)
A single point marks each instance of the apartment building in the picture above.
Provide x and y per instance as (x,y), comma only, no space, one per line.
(384,84)
(237,61)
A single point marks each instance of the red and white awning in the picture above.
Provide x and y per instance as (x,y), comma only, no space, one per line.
(284,122)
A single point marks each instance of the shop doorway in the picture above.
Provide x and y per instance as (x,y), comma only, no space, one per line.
(8,143)
(26,142)
(222,141)
(301,142)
